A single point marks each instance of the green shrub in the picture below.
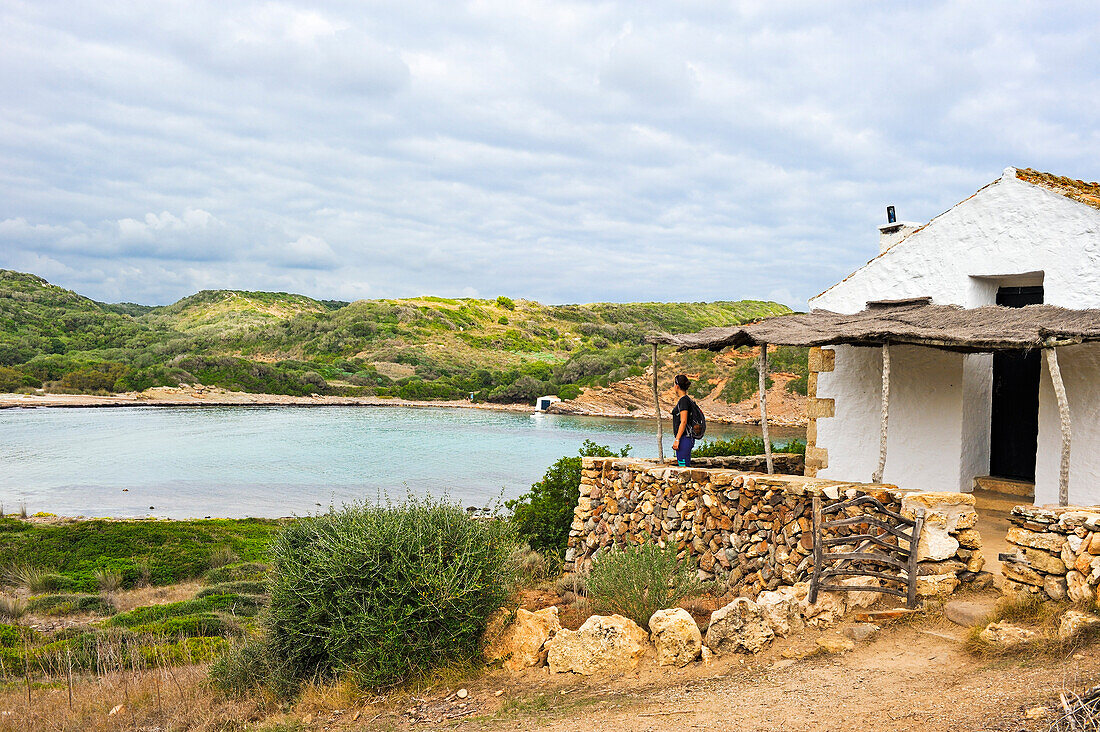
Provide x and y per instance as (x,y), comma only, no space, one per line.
(242,605)
(744,445)
(16,636)
(542,516)
(242,667)
(203,624)
(37,580)
(639,580)
(237,572)
(384,592)
(743,382)
(569,391)
(108,580)
(506,302)
(798,385)
(70,604)
(239,587)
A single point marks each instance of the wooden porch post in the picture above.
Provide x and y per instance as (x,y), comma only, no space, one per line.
(762,372)
(657,405)
(1063,417)
(885,418)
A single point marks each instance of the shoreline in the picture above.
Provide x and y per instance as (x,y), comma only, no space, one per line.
(214,397)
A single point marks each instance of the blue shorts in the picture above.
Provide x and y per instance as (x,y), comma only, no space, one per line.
(683,455)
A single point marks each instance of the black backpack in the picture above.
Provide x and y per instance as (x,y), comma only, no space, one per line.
(697,421)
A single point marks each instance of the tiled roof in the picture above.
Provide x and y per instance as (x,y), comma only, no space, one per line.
(1078,190)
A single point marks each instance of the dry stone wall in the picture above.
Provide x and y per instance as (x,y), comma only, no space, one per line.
(750,530)
(1057,552)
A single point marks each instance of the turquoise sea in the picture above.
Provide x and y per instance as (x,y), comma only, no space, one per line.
(178,462)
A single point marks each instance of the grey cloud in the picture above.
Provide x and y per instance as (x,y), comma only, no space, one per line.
(565,151)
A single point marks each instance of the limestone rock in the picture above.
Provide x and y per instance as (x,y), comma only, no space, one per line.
(967,613)
(828,609)
(706,656)
(780,608)
(976,562)
(969,538)
(1075,621)
(936,544)
(1022,537)
(860,632)
(1007,635)
(602,643)
(835,644)
(1077,587)
(1056,588)
(1019,572)
(739,626)
(937,585)
(521,644)
(675,636)
(1045,561)
(861,599)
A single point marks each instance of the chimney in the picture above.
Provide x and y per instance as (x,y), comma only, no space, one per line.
(893,230)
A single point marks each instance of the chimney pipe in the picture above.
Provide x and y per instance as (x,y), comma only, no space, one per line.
(893,230)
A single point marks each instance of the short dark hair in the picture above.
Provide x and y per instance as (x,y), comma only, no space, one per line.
(683,382)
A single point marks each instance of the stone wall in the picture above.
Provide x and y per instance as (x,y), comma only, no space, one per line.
(751,530)
(1057,552)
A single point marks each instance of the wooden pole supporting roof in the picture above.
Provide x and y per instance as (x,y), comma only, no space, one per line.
(1063,418)
(885,418)
(762,373)
(657,406)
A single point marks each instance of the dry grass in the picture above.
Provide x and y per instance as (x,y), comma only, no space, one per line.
(126,600)
(176,699)
(1036,614)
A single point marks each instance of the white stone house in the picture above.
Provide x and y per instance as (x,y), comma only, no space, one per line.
(1025,238)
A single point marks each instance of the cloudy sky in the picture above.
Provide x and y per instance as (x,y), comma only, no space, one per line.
(561,151)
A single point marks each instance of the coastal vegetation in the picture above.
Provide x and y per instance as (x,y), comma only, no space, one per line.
(426,348)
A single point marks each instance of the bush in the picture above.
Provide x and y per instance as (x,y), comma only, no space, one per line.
(744,445)
(639,580)
(569,391)
(70,604)
(242,605)
(743,382)
(237,572)
(384,592)
(506,302)
(242,668)
(238,587)
(542,516)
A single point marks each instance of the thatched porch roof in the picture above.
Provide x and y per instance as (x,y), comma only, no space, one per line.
(915,321)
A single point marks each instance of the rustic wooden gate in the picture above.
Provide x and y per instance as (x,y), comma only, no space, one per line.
(876,549)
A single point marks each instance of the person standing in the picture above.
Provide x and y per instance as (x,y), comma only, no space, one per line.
(684,441)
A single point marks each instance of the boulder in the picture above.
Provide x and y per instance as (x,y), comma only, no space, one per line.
(739,626)
(937,585)
(675,637)
(967,613)
(1075,621)
(520,644)
(861,599)
(602,643)
(936,544)
(780,608)
(1007,635)
(835,644)
(860,632)
(828,609)
(1056,588)
(1077,587)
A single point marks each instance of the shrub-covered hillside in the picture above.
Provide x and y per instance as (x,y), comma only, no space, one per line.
(418,348)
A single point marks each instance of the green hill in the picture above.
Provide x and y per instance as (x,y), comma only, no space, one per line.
(418,348)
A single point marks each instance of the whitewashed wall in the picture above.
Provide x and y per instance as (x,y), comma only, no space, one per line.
(1009,233)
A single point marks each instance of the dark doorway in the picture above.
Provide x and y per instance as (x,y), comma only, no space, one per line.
(1014,427)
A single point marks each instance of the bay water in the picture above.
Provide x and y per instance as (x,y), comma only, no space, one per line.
(270,461)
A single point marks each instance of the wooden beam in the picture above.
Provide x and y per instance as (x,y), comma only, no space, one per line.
(885,415)
(762,373)
(657,405)
(1063,417)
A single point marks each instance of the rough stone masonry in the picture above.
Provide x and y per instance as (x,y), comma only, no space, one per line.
(1057,552)
(754,531)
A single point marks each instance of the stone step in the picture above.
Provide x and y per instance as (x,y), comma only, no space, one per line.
(992,503)
(1019,488)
